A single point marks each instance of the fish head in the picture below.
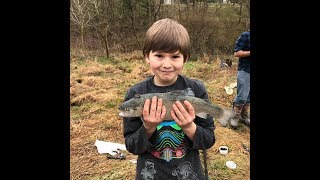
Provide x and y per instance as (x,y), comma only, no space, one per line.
(132,108)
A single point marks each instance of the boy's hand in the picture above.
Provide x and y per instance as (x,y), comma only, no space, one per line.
(153,115)
(184,117)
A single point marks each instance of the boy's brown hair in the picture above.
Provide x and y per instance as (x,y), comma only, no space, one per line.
(167,35)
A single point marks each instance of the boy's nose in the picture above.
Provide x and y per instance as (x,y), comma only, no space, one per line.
(167,63)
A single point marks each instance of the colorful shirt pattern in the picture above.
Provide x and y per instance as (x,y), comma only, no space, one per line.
(169,141)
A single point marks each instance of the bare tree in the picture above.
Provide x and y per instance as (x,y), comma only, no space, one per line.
(101,23)
(157,7)
(242,4)
(81,15)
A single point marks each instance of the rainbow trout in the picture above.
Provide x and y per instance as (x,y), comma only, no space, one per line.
(133,107)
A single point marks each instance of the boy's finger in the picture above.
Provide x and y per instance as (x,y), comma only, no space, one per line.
(174,117)
(146,108)
(163,112)
(177,112)
(159,108)
(153,107)
(189,107)
(181,108)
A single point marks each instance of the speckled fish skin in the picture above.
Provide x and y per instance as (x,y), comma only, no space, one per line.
(133,107)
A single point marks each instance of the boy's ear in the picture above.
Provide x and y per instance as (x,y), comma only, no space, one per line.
(146,58)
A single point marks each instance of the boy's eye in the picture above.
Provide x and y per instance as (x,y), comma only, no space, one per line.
(175,57)
(158,56)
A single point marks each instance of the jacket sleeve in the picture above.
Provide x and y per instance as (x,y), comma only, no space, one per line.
(204,136)
(134,132)
(242,43)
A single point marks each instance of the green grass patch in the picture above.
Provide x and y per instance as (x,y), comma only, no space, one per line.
(75,117)
(125,67)
(85,110)
(111,104)
(104,60)
(189,65)
(219,169)
(193,58)
(75,112)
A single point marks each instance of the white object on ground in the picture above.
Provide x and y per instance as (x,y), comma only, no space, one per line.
(134,161)
(223,149)
(231,164)
(229,89)
(233,85)
(108,147)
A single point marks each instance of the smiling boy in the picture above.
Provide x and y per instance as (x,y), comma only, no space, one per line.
(168,149)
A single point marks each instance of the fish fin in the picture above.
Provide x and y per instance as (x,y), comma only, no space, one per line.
(189,92)
(184,92)
(202,115)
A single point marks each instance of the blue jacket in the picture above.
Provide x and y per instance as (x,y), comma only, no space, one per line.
(243,43)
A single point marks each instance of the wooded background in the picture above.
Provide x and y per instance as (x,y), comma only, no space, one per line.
(119,26)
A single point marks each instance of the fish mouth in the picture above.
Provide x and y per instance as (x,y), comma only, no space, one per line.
(121,114)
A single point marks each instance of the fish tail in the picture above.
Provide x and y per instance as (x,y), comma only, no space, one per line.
(224,119)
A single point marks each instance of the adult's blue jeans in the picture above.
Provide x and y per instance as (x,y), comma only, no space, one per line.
(243,88)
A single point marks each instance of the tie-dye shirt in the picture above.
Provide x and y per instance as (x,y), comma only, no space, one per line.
(168,153)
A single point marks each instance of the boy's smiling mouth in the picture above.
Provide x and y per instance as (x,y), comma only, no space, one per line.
(166,71)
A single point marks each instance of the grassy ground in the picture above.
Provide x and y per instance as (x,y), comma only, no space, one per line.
(98,86)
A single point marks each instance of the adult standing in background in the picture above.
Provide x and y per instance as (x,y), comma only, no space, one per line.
(241,104)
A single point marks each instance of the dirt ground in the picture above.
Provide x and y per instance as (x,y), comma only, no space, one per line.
(98,86)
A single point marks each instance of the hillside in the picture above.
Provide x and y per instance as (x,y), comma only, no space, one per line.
(98,86)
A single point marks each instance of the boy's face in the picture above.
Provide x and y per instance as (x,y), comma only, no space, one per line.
(165,66)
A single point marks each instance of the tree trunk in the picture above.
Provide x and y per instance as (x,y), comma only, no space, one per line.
(179,10)
(105,40)
(240,14)
(157,12)
(187,11)
(82,41)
